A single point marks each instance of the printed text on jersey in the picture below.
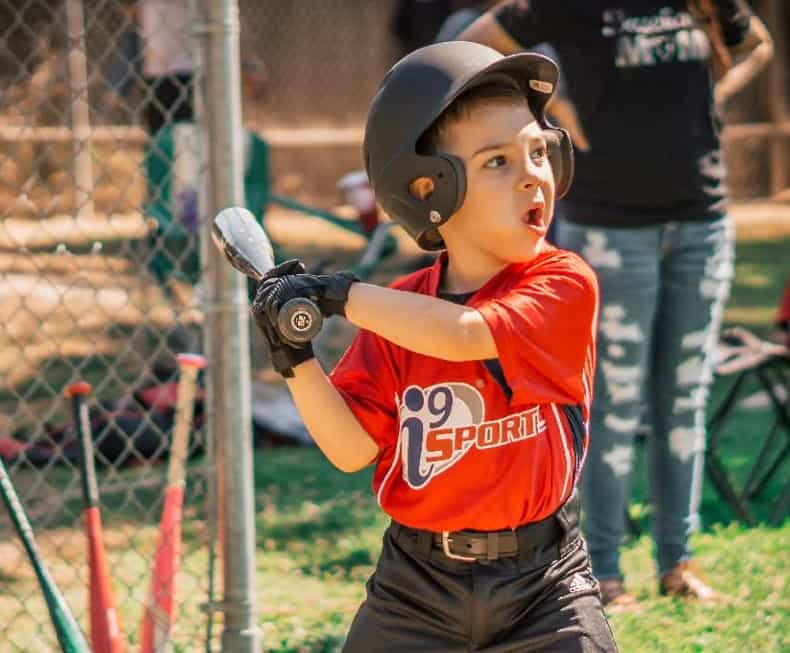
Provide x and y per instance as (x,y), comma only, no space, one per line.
(442,423)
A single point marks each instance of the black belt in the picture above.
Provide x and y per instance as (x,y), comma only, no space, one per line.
(528,542)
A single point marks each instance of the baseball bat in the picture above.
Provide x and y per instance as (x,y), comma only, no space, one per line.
(238,235)
(68,632)
(105,626)
(160,612)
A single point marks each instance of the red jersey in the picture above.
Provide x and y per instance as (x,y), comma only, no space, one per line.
(460,448)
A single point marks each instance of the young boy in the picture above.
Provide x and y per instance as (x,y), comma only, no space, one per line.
(468,385)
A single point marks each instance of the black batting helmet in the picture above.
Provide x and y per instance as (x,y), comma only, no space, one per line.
(413,94)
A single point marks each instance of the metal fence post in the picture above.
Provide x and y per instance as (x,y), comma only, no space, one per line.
(80,116)
(227,341)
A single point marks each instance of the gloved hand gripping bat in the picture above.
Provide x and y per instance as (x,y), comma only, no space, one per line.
(245,244)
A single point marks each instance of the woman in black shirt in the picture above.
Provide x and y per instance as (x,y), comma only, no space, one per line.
(647,210)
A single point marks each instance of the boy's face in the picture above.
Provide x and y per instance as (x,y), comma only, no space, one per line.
(509,199)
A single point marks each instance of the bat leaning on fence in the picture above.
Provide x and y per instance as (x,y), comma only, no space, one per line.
(105,631)
(68,632)
(160,611)
(245,244)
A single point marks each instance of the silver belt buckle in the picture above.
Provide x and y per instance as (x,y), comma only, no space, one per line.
(446,539)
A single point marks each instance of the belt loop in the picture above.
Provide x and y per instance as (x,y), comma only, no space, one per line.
(493,546)
(424,543)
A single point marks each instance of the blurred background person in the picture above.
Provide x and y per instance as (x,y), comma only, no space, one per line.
(647,210)
(157,47)
(416,22)
(560,108)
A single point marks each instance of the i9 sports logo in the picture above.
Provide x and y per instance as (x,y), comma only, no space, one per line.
(441,423)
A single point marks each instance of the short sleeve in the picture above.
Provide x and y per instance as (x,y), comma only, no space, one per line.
(526,21)
(544,330)
(366,378)
(734,17)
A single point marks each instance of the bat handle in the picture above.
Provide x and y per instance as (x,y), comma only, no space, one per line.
(299,320)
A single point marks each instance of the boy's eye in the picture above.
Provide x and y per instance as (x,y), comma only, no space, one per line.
(539,154)
(495,162)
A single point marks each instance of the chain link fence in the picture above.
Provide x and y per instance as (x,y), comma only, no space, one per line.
(99,272)
(97,283)
(320,63)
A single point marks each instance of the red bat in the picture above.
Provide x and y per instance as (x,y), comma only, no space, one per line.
(106,634)
(159,614)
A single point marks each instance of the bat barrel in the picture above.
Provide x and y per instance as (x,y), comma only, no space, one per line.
(160,612)
(244,243)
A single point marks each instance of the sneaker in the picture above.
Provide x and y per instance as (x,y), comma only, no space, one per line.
(682,581)
(615,598)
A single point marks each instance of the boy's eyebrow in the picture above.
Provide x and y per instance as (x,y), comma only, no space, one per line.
(537,138)
(493,146)
(497,146)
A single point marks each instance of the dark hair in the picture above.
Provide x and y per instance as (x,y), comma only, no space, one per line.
(501,89)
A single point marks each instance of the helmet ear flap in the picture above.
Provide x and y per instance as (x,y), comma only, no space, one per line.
(421,217)
(561,158)
(449,176)
(459,178)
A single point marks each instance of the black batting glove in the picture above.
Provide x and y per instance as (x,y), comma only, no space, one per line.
(285,356)
(327,291)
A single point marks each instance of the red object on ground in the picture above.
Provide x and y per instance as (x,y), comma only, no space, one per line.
(783,315)
(11,448)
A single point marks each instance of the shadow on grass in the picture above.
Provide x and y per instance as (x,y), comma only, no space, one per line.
(319,516)
(327,644)
(303,496)
(343,566)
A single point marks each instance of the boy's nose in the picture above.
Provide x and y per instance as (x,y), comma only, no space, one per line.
(528,178)
(530,171)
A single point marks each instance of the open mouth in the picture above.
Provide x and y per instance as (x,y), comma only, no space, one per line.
(534,217)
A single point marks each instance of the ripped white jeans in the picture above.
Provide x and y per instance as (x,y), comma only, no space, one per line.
(663,290)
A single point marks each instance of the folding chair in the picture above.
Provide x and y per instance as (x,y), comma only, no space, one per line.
(746,358)
(172,170)
(172,174)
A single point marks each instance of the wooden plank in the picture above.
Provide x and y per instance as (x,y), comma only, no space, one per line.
(17,233)
(780,165)
(27,133)
(739,132)
(308,137)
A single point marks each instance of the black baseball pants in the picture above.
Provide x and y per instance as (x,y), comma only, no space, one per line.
(418,600)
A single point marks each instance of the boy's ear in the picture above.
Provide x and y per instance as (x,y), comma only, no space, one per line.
(421,188)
